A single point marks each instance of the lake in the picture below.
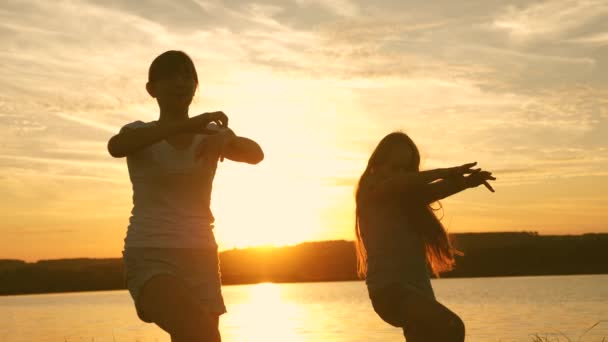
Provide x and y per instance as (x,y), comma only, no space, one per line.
(493,309)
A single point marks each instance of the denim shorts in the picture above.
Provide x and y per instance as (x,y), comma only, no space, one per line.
(197,268)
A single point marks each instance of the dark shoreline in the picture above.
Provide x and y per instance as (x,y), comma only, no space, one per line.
(510,254)
(305,282)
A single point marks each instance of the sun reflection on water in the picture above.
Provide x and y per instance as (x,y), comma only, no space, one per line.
(266,316)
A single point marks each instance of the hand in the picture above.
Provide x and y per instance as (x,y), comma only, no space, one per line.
(198,123)
(478,177)
(459,171)
(214,145)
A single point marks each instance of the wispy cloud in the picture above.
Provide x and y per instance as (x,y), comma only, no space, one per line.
(88,122)
(39,232)
(598,39)
(344,8)
(550,19)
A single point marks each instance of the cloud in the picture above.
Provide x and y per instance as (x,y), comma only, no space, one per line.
(343,8)
(88,122)
(594,40)
(550,19)
(40,231)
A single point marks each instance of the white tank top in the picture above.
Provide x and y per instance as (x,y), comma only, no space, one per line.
(171,195)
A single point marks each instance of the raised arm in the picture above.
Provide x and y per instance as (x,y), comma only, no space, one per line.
(132,140)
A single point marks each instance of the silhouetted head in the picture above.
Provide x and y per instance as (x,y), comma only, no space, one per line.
(395,152)
(172,79)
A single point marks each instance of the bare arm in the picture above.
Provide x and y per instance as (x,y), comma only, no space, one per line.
(132,140)
(441,189)
(407,180)
(244,150)
(226,144)
(404,181)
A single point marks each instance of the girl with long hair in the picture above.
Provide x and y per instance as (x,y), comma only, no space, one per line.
(399,237)
(170,252)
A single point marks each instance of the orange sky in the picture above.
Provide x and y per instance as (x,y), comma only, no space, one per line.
(517,88)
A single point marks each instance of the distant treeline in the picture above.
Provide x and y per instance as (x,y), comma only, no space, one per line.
(485,254)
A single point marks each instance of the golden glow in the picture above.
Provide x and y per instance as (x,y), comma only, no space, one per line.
(518,89)
(266,316)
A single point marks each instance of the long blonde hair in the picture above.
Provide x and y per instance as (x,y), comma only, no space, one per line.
(439,251)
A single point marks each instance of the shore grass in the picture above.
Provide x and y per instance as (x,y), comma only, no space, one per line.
(558,336)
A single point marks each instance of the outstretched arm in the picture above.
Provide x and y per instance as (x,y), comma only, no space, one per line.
(447,187)
(406,181)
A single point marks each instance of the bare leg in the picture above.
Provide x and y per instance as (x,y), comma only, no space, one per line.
(428,320)
(165,301)
(423,319)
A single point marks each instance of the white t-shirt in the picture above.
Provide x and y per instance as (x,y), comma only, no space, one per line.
(171,195)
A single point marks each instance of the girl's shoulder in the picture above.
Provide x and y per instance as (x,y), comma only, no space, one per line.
(373,179)
(136,124)
(378,187)
(368,186)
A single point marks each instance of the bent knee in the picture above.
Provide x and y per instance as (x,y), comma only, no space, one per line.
(455,327)
(448,328)
(200,329)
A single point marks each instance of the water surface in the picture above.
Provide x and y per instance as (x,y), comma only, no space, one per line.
(493,309)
